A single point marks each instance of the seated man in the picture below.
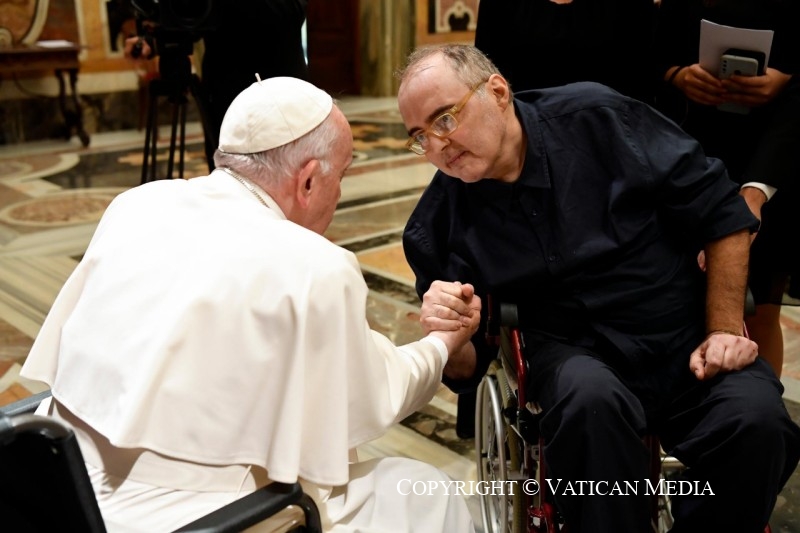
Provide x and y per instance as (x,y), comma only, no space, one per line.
(212,340)
(587,209)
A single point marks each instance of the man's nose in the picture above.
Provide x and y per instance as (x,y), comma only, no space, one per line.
(438,143)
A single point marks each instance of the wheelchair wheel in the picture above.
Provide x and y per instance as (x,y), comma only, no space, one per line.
(669,468)
(499,452)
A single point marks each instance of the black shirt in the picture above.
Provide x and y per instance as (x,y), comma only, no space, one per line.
(597,239)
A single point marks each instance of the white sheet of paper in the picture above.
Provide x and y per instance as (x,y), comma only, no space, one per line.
(715,39)
(57,43)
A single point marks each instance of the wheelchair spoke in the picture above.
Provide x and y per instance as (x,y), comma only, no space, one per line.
(491,449)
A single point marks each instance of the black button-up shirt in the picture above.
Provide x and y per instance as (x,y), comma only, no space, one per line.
(598,238)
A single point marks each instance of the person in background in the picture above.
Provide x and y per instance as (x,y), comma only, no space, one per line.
(547,43)
(263,36)
(758,144)
(587,209)
(212,341)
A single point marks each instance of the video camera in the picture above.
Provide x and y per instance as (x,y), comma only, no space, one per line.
(171,27)
(179,17)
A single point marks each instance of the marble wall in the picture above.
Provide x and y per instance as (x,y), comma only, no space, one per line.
(26,21)
(108,83)
(384,44)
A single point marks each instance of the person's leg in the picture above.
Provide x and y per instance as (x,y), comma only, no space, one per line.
(736,438)
(593,428)
(397,494)
(764,328)
(769,273)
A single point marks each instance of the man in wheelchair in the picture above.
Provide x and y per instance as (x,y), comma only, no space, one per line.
(587,210)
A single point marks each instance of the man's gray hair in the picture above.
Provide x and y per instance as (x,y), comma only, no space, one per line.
(270,168)
(470,65)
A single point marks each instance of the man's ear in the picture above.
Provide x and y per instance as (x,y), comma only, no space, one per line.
(499,90)
(305,182)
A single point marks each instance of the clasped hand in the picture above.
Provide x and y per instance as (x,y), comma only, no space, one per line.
(450,306)
(722,352)
(451,311)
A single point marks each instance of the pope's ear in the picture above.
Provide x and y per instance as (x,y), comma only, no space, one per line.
(305,181)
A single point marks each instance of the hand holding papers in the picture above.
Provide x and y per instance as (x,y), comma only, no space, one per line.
(716,39)
(716,42)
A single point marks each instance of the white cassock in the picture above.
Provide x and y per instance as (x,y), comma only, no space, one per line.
(205,345)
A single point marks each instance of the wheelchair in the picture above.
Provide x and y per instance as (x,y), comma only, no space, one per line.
(46,487)
(508,446)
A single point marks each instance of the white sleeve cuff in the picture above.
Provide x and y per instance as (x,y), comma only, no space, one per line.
(768,190)
(440,347)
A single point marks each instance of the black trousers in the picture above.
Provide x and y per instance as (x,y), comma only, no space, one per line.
(732,432)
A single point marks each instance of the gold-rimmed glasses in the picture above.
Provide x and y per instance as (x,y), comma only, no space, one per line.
(441,127)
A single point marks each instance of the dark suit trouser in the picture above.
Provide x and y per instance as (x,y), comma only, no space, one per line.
(732,432)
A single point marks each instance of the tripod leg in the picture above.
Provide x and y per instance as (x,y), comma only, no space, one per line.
(183,138)
(154,141)
(171,161)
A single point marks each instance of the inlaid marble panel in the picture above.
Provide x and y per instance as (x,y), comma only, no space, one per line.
(372,219)
(388,261)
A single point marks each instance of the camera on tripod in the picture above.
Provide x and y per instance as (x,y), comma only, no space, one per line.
(171,28)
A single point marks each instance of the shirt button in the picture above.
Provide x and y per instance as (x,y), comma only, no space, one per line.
(551,258)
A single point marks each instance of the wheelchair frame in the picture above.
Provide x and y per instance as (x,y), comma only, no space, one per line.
(508,446)
(41,461)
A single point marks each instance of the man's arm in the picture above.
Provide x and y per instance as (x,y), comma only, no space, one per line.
(724,348)
(463,363)
(726,264)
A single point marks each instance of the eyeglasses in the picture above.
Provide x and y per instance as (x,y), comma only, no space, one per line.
(442,126)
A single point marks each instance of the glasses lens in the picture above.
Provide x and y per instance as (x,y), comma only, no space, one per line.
(444,125)
(417,148)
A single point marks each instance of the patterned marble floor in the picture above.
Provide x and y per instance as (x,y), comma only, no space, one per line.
(53,193)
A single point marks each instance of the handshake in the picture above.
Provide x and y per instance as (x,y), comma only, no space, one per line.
(451,311)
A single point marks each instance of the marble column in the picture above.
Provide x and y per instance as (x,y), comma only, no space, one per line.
(387,36)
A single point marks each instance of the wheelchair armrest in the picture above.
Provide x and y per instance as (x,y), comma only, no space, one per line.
(256,507)
(505,315)
(749,303)
(509,316)
(25,405)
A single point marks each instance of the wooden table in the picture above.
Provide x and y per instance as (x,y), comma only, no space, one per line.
(61,59)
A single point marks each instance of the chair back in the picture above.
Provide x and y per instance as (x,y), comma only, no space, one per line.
(44,486)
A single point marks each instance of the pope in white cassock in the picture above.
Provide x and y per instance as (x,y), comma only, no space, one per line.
(212,340)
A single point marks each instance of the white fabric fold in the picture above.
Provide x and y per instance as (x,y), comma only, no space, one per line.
(204,327)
